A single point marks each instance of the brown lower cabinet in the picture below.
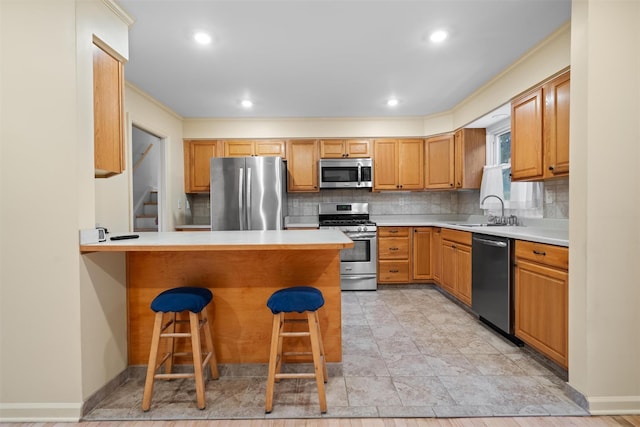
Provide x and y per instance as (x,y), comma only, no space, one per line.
(456,264)
(394,254)
(541,298)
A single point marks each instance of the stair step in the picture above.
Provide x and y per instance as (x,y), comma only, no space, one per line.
(151,203)
(146,216)
(145,229)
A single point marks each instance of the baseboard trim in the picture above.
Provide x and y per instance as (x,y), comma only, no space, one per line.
(104,391)
(40,412)
(614,405)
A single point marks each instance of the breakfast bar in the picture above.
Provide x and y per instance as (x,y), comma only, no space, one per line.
(242,269)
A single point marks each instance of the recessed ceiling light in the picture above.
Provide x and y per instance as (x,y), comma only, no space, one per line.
(392,102)
(247,103)
(202,38)
(438,36)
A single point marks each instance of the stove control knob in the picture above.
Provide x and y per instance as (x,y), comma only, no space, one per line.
(362,228)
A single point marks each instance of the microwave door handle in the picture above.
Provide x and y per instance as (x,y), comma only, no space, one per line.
(359,173)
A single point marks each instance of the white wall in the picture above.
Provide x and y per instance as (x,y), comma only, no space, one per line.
(150,115)
(604,293)
(60,322)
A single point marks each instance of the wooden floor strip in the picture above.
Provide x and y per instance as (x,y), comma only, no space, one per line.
(599,421)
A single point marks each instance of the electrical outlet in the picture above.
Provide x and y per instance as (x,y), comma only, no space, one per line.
(548,196)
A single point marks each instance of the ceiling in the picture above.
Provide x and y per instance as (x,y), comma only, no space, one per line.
(325,58)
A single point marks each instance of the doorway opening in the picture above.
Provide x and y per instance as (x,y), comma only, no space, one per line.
(147,158)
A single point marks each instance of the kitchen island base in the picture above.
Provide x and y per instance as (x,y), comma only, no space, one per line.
(241,282)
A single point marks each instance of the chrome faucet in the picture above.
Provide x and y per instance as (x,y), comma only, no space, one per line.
(502,219)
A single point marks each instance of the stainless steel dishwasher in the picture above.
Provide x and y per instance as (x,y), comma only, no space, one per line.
(491,281)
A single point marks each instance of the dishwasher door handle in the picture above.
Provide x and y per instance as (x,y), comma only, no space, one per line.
(491,242)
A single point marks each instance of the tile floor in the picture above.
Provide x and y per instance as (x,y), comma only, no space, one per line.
(407,352)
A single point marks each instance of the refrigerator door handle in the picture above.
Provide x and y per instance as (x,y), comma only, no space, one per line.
(241,216)
(249,198)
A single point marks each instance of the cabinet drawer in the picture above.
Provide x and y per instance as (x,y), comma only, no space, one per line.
(393,231)
(463,237)
(393,271)
(393,248)
(556,256)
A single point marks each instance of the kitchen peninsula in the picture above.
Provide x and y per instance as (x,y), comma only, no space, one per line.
(242,269)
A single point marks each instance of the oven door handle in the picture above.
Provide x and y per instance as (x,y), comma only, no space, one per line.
(364,235)
(351,277)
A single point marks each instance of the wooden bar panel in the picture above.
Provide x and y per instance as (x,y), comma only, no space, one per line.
(241,282)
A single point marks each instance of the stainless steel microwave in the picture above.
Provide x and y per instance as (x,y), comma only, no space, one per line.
(345,173)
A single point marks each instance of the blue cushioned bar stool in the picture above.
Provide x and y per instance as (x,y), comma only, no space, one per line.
(300,299)
(174,301)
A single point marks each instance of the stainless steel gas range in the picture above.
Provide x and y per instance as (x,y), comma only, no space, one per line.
(358,264)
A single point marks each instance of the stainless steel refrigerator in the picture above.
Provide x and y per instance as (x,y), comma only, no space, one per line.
(248,193)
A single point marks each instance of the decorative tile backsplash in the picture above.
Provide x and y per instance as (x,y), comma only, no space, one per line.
(556,202)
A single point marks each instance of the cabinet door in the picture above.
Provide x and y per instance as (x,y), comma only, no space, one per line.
(448,281)
(541,309)
(393,271)
(269,148)
(527,136)
(302,166)
(238,148)
(422,258)
(358,148)
(557,94)
(436,255)
(411,164)
(108,124)
(385,164)
(197,165)
(440,162)
(463,273)
(393,248)
(332,149)
(470,157)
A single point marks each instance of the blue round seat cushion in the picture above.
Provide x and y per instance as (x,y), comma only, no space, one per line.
(181,299)
(297,298)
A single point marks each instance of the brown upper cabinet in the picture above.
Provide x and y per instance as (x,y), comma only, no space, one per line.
(197,164)
(440,162)
(540,131)
(455,160)
(470,157)
(339,148)
(302,165)
(399,164)
(557,94)
(108,122)
(244,148)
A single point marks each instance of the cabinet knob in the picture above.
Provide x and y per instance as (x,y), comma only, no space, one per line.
(393,249)
(451,184)
(551,168)
(393,271)
(539,253)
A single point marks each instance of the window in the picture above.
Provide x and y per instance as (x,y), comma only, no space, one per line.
(497,176)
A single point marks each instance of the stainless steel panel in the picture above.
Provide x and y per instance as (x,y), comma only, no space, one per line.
(248,193)
(358,283)
(227,202)
(491,280)
(266,193)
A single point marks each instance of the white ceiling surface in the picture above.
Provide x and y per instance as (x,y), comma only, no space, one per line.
(327,58)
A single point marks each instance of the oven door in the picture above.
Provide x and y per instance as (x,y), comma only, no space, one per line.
(361,259)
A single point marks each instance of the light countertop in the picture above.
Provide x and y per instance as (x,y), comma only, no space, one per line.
(224,241)
(550,231)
